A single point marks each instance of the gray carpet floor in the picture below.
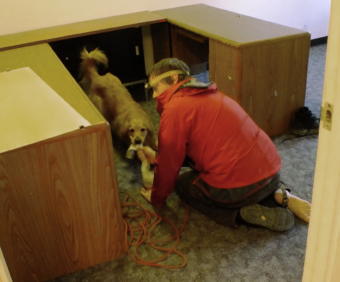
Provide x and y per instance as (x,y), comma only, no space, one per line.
(217,253)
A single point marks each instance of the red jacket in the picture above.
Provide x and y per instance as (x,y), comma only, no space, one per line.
(228,148)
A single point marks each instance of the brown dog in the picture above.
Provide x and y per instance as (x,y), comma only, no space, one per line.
(127,118)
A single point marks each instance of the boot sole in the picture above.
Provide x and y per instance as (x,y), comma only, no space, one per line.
(276,219)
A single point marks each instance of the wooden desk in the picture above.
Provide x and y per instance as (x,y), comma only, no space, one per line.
(260,64)
(59,204)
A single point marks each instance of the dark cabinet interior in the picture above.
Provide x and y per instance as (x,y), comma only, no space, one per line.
(124,49)
(190,47)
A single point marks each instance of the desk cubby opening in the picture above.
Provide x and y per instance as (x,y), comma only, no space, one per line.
(124,49)
(128,58)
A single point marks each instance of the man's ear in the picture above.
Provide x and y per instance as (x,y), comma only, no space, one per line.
(175,78)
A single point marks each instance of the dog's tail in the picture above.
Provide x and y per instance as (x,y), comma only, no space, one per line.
(90,61)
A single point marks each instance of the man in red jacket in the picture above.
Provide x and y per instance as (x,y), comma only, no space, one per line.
(235,164)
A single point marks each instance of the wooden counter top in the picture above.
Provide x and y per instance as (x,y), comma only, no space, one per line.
(32,116)
(44,62)
(228,27)
(78,29)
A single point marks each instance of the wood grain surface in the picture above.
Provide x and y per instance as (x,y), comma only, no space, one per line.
(225,68)
(228,27)
(59,205)
(268,79)
(77,29)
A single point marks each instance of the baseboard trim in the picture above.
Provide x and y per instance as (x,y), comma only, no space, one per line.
(317,41)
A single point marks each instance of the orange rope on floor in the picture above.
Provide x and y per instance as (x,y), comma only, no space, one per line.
(141,227)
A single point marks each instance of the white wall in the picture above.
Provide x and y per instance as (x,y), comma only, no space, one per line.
(22,15)
(309,15)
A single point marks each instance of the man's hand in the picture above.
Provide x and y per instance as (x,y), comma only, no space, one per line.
(146,193)
(146,153)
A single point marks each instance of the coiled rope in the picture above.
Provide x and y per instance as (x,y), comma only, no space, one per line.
(141,228)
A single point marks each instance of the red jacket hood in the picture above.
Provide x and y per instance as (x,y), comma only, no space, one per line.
(188,87)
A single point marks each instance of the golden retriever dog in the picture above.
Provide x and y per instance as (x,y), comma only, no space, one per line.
(129,122)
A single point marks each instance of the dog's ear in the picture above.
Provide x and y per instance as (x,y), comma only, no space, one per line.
(150,139)
(121,128)
(125,134)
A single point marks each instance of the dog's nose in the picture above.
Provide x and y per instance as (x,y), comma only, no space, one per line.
(138,141)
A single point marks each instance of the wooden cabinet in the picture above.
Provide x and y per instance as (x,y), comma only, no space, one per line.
(59,205)
(268,78)
(261,65)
